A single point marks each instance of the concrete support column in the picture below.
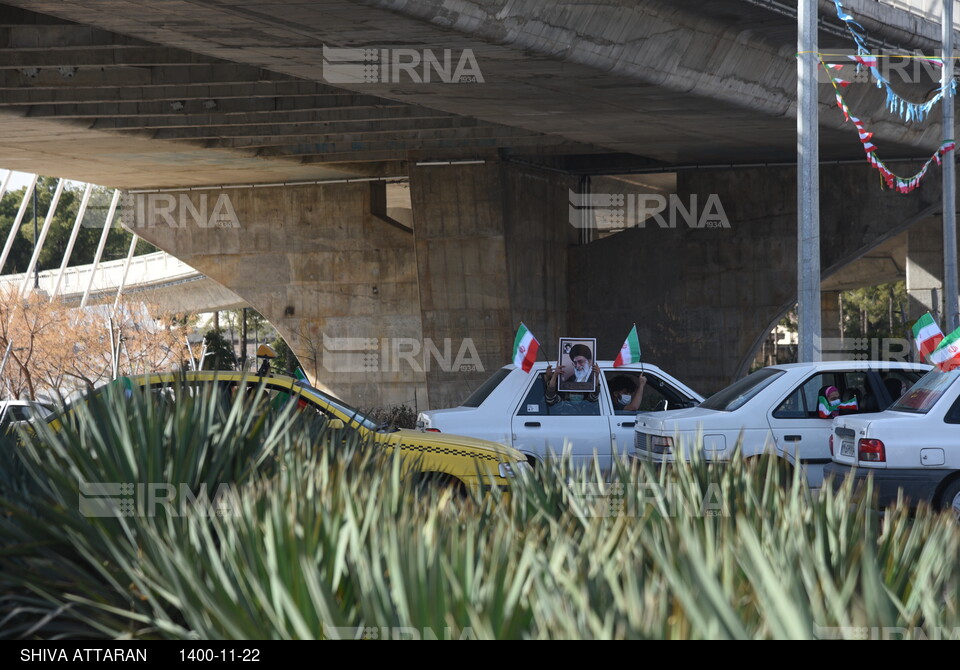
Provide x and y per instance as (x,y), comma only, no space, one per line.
(830,315)
(925,269)
(704,291)
(321,263)
(491,244)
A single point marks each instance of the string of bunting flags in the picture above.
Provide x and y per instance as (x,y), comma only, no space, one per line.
(907,110)
(900,184)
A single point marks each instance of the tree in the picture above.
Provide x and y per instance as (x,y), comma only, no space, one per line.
(219,353)
(875,311)
(286,361)
(43,361)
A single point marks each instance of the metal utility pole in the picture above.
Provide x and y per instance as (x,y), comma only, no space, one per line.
(243,341)
(951,320)
(36,234)
(808,185)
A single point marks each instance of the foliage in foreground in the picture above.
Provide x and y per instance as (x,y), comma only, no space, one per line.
(324,538)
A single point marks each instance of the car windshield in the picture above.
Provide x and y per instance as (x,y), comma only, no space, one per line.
(923,395)
(737,394)
(340,406)
(477,397)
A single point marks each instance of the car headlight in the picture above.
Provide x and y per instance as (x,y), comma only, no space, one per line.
(514,470)
(661,444)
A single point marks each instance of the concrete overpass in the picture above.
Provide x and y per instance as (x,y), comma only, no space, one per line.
(160,280)
(180,95)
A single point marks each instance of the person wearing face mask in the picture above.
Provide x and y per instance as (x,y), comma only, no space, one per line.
(627,394)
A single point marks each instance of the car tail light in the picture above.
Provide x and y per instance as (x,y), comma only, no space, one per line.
(872,451)
(432,430)
(831,445)
(660,444)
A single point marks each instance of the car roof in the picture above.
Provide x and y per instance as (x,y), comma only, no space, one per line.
(854,365)
(542,365)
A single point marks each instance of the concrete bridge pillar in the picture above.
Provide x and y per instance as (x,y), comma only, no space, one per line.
(830,314)
(379,313)
(322,263)
(925,269)
(705,292)
(491,241)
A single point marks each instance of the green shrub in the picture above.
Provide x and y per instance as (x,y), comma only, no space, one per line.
(322,537)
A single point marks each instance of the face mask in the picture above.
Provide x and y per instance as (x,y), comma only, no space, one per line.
(625,399)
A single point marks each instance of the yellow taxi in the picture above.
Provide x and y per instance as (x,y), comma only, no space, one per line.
(448,460)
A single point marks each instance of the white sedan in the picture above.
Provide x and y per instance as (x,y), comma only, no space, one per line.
(775,409)
(511,408)
(914,446)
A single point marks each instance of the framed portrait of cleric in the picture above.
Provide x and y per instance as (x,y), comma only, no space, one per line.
(577,355)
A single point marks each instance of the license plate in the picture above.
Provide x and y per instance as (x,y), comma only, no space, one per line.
(846,448)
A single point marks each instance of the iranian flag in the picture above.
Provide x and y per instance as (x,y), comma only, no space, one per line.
(947,355)
(849,405)
(630,351)
(525,349)
(824,409)
(927,335)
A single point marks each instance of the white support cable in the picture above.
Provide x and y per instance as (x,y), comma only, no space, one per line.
(73,239)
(126,269)
(6,182)
(15,228)
(38,243)
(108,222)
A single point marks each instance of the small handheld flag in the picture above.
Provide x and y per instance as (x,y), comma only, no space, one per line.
(850,405)
(947,354)
(927,335)
(630,351)
(525,348)
(825,409)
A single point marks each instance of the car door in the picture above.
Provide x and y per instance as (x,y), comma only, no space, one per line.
(575,423)
(799,432)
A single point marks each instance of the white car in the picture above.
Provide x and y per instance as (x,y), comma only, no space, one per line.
(15,411)
(913,446)
(510,408)
(773,410)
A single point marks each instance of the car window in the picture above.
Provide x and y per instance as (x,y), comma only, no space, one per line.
(739,393)
(569,404)
(477,397)
(802,403)
(921,398)
(857,385)
(656,393)
(898,382)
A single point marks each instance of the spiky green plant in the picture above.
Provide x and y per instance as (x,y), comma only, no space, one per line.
(325,538)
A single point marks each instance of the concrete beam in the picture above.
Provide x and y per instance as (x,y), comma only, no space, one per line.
(669,64)
(344,114)
(102,57)
(211,107)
